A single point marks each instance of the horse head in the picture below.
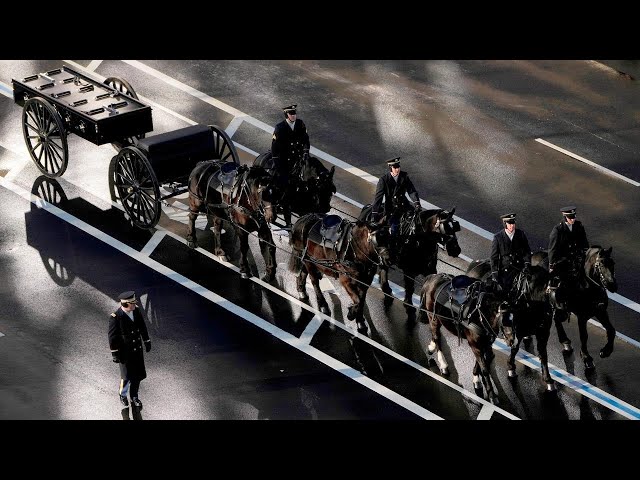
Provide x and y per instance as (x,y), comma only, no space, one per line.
(443,226)
(600,267)
(319,183)
(261,192)
(380,240)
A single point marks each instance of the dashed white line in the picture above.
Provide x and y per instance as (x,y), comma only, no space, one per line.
(153,242)
(589,162)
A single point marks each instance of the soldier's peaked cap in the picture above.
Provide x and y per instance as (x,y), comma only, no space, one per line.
(290,108)
(508,217)
(393,161)
(569,211)
(127,297)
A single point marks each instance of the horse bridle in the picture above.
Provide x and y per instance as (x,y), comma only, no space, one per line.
(597,267)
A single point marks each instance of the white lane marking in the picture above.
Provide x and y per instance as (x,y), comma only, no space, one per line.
(94,64)
(6,90)
(233,126)
(589,162)
(575,383)
(464,223)
(153,242)
(226,304)
(485,413)
(311,329)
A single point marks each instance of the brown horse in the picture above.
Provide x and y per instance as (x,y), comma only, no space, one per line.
(239,194)
(350,251)
(533,312)
(465,306)
(585,297)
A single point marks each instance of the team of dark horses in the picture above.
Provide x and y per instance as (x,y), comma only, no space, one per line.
(353,251)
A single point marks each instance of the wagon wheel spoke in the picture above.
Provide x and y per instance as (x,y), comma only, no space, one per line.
(223,145)
(45,137)
(138,187)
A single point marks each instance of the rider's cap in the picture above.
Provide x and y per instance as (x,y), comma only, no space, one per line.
(127,297)
(508,218)
(569,212)
(393,162)
(290,109)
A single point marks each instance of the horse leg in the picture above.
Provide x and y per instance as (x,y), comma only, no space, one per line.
(511,363)
(485,371)
(301,283)
(360,321)
(383,274)
(217,243)
(245,271)
(315,277)
(562,335)
(434,345)
(584,353)
(268,250)
(192,239)
(542,339)
(409,288)
(603,318)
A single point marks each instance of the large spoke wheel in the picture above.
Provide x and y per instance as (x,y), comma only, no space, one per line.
(224,147)
(137,187)
(124,87)
(45,137)
(50,190)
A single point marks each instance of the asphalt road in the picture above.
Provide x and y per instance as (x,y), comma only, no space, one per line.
(466,131)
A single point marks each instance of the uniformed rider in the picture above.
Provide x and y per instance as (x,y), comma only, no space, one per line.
(289,145)
(567,247)
(510,253)
(393,187)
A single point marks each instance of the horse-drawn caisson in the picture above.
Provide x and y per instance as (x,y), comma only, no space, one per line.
(63,101)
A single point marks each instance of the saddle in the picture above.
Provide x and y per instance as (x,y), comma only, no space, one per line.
(460,295)
(330,232)
(226,177)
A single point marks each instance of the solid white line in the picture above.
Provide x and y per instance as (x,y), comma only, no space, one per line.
(233,126)
(153,242)
(485,413)
(94,64)
(226,304)
(6,90)
(311,329)
(589,162)
(575,383)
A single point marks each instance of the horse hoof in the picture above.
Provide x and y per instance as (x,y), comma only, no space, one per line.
(606,351)
(512,373)
(325,310)
(495,400)
(551,387)
(351,316)
(268,278)
(431,350)
(362,327)
(588,363)
(566,347)
(192,244)
(445,371)
(303,296)
(245,275)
